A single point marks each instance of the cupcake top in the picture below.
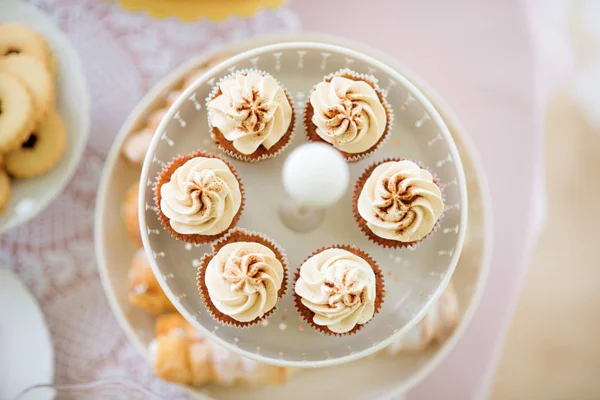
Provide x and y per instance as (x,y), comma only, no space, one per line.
(339,287)
(202,197)
(243,280)
(251,109)
(348,114)
(400,201)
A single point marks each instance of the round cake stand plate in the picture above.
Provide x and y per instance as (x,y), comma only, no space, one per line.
(413,278)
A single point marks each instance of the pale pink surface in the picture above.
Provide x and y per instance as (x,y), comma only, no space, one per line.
(479,57)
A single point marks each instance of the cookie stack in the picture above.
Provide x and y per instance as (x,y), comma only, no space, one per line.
(32,133)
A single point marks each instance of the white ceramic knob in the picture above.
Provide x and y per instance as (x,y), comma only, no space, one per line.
(315,175)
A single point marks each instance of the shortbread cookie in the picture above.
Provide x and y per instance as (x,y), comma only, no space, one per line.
(35,76)
(41,151)
(16,112)
(16,38)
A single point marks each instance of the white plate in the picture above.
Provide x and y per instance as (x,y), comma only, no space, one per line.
(29,197)
(27,357)
(386,375)
(413,279)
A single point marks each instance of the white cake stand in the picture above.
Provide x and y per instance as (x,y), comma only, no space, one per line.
(414,279)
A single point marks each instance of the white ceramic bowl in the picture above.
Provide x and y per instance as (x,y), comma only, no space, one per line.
(29,197)
(413,279)
(386,376)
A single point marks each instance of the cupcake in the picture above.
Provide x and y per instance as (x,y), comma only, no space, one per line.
(199,197)
(338,290)
(244,277)
(348,111)
(251,116)
(397,203)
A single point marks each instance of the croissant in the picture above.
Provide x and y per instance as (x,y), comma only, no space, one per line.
(435,327)
(144,290)
(180,354)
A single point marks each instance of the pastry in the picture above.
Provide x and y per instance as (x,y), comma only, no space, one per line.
(251,116)
(397,203)
(348,111)
(183,356)
(244,277)
(199,197)
(435,327)
(17,113)
(41,151)
(129,211)
(338,289)
(136,146)
(144,290)
(36,78)
(16,38)
(155,119)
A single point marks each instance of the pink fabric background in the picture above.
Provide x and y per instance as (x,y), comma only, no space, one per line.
(480,57)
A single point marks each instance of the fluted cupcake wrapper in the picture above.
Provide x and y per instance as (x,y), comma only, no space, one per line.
(307,315)
(165,175)
(261,153)
(311,129)
(362,224)
(239,235)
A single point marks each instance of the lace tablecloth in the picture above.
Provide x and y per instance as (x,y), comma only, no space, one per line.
(123,56)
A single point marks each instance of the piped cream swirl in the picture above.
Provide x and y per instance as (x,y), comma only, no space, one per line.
(400,201)
(339,287)
(348,114)
(243,280)
(202,197)
(252,110)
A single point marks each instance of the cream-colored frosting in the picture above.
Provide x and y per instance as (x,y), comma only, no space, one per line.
(251,111)
(339,287)
(243,280)
(400,201)
(348,114)
(202,197)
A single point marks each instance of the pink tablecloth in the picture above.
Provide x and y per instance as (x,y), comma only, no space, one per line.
(478,55)
(485,58)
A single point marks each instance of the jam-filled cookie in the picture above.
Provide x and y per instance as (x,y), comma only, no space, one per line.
(16,112)
(41,151)
(35,77)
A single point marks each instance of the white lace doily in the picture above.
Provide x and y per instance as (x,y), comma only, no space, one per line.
(123,56)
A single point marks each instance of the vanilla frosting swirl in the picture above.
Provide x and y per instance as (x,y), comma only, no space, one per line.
(243,280)
(252,110)
(202,197)
(400,201)
(348,114)
(339,287)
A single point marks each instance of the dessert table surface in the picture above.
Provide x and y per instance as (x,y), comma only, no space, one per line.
(481,57)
